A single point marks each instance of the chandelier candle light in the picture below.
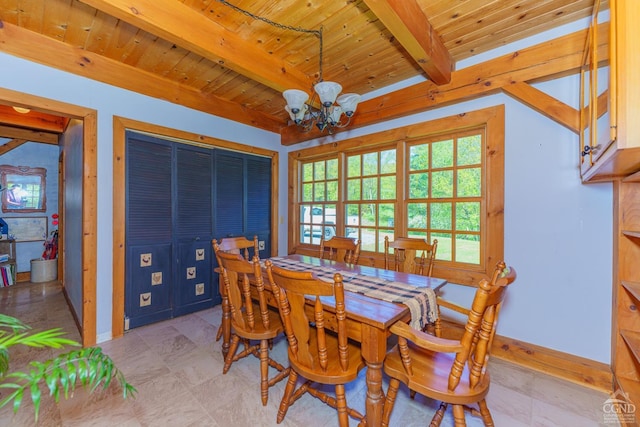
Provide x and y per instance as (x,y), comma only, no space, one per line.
(333,112)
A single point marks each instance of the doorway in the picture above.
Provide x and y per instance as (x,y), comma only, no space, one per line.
(87,241)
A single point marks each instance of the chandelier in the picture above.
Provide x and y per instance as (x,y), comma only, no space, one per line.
(327,109)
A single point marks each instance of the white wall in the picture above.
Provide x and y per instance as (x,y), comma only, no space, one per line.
(558,232)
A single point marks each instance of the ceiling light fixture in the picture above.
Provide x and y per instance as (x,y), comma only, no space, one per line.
(22,110)
(327,109)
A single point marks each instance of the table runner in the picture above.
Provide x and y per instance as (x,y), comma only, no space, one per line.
(421,301)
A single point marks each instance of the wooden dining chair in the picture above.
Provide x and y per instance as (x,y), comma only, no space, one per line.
(250,321)
(451,371)
(410,255)
(315,354)
(342,249)
(235,245)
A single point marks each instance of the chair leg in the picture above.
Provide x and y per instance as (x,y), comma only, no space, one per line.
(458,416)
(390,401)
(286,398)
(438,416)
(484,412)
(341,406)
(233,347)
(264,371)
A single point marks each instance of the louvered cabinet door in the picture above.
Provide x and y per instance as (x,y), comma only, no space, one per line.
(149,237)
(258,212)
(194,288)
(243,197)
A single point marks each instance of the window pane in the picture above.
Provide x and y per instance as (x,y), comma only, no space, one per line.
(444,245)
(387,214)
(441,216)
(368,214)
(417,215)
(307,172)
(442,154)
(388,161)
(442,184)
(318,173)
(419,157)
(307,192)
(388,187)
(468,216)
(332,191)
(370,164)
(469,182)
(368,240)
(353,189)
(354,233)
(332,169)
(317,214)
(470,150)
(353,166)
(352,214)
(318,192)
(467,248)
(370,189)
(418,185)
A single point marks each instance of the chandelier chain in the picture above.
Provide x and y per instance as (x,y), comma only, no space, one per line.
(317,33)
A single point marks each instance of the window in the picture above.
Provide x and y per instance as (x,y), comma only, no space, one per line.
(440,180)
(319,197)
(445,194)
(371,197)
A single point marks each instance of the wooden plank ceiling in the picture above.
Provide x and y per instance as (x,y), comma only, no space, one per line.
(207,56)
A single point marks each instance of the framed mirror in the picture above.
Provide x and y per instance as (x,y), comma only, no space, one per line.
(23,189)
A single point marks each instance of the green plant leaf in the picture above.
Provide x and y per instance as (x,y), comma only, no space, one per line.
(35,398)
(4,361)
(8,322)
(89,366)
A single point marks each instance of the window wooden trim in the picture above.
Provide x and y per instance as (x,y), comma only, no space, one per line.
(492,119)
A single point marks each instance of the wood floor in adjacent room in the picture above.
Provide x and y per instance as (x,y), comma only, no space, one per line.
(176,365)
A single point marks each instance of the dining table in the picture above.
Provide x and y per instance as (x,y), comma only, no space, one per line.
(368,318)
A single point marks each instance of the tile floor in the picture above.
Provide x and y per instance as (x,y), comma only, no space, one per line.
(176,366)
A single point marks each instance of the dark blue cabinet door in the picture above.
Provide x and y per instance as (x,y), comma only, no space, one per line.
(150,283)
(194,289)
(149,266)
(180,197)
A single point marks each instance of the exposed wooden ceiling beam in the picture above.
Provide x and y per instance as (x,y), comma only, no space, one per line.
(45,50)
(32,120)
(543,61)
(545,104)
(179,24)
(10,145)
(29,135)
(408,24)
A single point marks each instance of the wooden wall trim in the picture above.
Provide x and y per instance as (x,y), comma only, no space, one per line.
(585,372)
(89,196)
